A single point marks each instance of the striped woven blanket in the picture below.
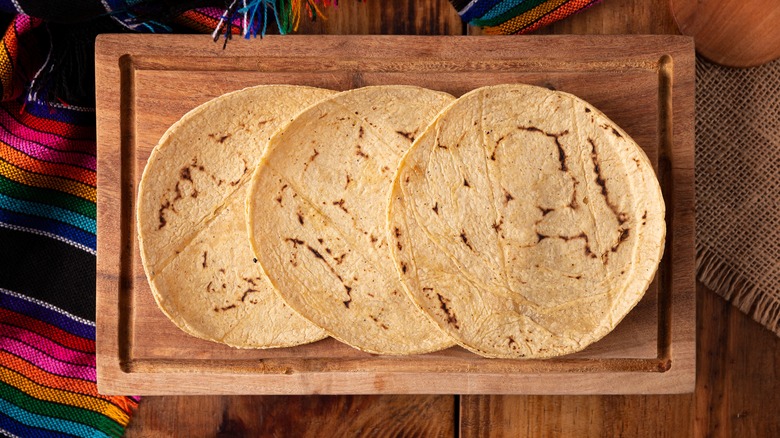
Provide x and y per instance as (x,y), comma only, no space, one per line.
(517,16)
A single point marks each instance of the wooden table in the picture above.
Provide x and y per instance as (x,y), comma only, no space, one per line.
(738,374)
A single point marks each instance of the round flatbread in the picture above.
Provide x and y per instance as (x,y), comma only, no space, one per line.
(191,226)
(525,223)
(317,212)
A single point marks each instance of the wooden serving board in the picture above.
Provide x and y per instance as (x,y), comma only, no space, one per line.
(147,82)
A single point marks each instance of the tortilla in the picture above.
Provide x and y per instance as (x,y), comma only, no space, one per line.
(525,223)
(316,216)
(191,226)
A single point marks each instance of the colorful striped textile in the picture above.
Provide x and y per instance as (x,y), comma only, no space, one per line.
(48,196)
(517,16)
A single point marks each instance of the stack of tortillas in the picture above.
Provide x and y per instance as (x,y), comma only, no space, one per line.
(515,221)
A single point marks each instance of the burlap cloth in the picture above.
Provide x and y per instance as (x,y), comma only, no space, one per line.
(738,186)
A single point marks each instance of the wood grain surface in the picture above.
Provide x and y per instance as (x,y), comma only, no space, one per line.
(296,416)
(738,386)
(736,33)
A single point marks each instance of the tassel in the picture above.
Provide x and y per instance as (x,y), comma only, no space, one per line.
(253,16)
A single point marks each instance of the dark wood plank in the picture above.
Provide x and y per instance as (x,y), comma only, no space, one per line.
(402,17)
(255,416)
(498,416)
(738,373)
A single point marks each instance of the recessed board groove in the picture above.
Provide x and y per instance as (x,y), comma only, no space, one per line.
(147,82)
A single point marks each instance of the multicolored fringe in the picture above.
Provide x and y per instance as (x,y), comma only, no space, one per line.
(251,18)
(517,16)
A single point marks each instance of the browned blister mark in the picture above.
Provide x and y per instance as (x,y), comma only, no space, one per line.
(361,132)
(348,180)
(573,204)
(340,258)
(315,252)
(587,110)
(205,260)
(466,182)
(451,318)
(609,127)
(540,237)
(495,149)
(221,270)
(497,225)
(385,169)
(319,256)
(545,211)
(465,239)
(621,238)
(300,217)
(349,294)
(561,153)
(400,247)
(210,287)
(359,152)
(243,172)
(511,343)
(404,268)
(185,174)
(294,241)
(578,236)
(178,191)
(328,250)
(340,204)
(621,217)
(409,135)
(163,207)
(507,197)
(247,292)
(222,309)
(436,208)
(373,239)
(556,138)
(397,232)
(220,138)
(313,156)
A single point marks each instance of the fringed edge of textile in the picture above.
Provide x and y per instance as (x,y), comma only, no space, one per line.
(252,17)
(727,282)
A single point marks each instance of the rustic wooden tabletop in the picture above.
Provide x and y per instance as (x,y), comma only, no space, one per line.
(738,373)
